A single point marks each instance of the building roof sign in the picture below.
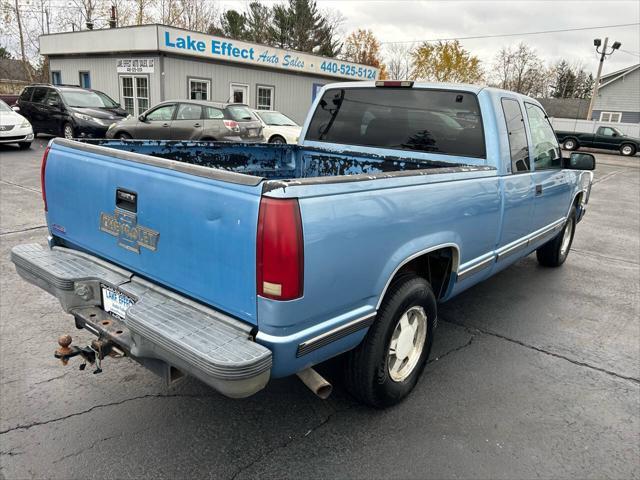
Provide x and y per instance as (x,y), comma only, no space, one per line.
(161,38)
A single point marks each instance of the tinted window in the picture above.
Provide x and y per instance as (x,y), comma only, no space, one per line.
(162,113)
(545,148)
(187,111)
(38,94)
(211,113)
(25,96)
(87,99)
(240,113)
(408,119)
(517,135)
(53,99)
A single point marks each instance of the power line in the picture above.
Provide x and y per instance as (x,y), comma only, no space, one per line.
(541,32)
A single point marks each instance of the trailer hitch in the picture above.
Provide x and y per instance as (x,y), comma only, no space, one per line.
(95,352)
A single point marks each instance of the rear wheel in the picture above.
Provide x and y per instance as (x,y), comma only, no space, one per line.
(124,136)
(627,150)
(386,366)
(570,144)
(277,139)
(67,131)
(555,251)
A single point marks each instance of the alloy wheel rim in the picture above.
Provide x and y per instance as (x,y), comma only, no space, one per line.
(569,145)
(566,238)
(407,343)
(626,150)
(68,132)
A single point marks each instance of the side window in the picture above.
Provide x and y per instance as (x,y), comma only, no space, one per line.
(53,99)
(187,111)
(211,113)
(517,135)
(545,148)
(164,113)
(38,94)
(607,132)
(25,96)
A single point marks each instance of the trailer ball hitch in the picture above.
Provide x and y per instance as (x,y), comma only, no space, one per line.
(92,353)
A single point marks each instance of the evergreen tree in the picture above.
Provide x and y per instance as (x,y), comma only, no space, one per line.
(234,25)
(258,21)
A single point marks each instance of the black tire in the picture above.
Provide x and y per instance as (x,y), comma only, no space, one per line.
(367,372)
(123,136)
(627,149)
(24,145)
(552,253)
(277,139)
(570,144)
(66,128)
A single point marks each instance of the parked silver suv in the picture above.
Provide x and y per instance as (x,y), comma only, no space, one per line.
(191,120)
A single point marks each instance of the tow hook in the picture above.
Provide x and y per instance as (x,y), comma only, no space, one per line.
(92,353)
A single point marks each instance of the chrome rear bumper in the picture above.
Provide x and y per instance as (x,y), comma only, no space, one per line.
(161,325)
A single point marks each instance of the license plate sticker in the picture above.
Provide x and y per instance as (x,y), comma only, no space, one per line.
(115,302)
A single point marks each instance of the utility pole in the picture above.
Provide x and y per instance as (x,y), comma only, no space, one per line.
(603,55)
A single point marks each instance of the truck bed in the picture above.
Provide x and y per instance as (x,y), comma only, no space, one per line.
(274,162)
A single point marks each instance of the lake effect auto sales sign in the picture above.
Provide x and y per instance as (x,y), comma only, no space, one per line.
(135,65)
(200,45)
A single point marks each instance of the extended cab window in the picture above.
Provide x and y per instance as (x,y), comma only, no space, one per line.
(545,148)
(517,135)
(423,120)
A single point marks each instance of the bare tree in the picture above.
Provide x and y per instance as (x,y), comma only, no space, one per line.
(521,70)
(399,61)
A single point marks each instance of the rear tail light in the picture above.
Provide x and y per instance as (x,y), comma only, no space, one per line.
(232,125)
(280,251)
(43,168)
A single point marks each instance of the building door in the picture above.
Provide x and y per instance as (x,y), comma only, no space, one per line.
(239,93)
(134,92)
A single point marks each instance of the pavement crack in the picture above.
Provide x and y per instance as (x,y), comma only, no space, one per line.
(606,177)
(453,350)
(22,230)
(35,190)
(547,352)
(95,407)
(604,257)
(54,378)
(283,445)
(86,449)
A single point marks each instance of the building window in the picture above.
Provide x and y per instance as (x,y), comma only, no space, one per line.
(613,117)
(199,89)
(264,98)
(85,80)
(56,77)
(134,92)
(239,93)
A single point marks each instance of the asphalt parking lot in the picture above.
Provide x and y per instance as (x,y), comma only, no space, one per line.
(534,374)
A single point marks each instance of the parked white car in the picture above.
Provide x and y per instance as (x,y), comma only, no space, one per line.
(277,127)
(14,128)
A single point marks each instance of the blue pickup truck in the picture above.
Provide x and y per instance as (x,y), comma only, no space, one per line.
(237,263)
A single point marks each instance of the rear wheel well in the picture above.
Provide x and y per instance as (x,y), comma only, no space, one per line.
(435,267)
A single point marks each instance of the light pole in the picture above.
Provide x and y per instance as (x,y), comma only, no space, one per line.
(603,55)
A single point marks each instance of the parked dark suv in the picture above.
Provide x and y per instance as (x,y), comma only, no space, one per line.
(192,120)
(69,111)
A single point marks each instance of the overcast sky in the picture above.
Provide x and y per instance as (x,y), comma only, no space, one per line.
(415,20)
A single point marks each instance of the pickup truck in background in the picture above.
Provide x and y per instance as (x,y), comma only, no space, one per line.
(607,138)
(237,263)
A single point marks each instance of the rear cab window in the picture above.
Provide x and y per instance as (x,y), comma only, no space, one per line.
(518,146)
(424,120)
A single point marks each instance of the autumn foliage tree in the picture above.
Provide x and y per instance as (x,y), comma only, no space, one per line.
(445,62)
(363,47)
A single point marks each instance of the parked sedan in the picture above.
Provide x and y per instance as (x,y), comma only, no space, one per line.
(14,128)
(191,120)
(277,127)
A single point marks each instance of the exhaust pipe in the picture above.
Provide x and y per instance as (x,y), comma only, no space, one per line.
(315,382)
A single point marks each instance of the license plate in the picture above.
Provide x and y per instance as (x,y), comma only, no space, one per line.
(115,302)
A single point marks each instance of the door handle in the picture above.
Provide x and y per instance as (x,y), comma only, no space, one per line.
(538,189)
(196,124)
(165,124)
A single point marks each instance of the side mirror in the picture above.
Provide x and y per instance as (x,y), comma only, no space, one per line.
(15,108)
(614,134)
(581,161)
(142,118)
